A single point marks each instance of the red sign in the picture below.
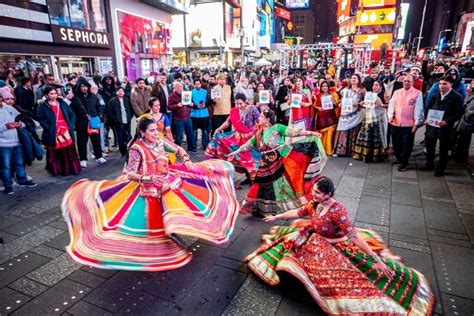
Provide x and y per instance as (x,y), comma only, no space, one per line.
(282,13)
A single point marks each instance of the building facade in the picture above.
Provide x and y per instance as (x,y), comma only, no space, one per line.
(58,37)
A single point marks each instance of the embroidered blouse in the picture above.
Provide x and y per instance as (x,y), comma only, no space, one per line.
(135,158)
(334,224)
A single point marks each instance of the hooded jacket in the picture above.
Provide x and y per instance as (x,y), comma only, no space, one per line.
(140,99)
(85,106)
(458,86)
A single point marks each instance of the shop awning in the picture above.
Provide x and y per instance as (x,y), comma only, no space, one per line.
(170,6)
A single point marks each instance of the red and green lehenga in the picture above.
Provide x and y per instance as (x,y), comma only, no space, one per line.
(285,172)
(121,224)
(340,277)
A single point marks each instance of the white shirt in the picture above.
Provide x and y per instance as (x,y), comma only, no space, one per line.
(418,113)
(124,113)
(444,95)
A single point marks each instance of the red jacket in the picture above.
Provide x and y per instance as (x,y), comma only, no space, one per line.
(179,113)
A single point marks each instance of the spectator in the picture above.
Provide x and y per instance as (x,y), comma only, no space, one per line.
(11,156)
(57,120)
(199,113)
(127,86)
(181,118)
(140,95)
(25,97)
(119,112)
(223,103)
(85,106)
(162,92)
(370,79)
(48,80)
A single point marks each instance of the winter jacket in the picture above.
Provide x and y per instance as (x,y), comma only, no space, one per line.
(30,148)
(466,124)
(47,119)
(453,108)
(114,110)
(139,100)
(84,106)
(25,98)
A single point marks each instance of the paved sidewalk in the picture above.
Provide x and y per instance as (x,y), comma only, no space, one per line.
(428,221)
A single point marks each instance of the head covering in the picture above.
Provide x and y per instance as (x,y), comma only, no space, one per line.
(453,72)
(221,75)
(446,67)
(5,93)
(2,83)
(400,73)
(417,68)
(448,78)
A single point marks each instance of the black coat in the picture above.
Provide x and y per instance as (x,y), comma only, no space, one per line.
(114,111)
(25,98)
(47,119)
(453,107)
(85,105)
(159,93)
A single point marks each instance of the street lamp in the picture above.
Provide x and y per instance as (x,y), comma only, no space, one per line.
(440,48)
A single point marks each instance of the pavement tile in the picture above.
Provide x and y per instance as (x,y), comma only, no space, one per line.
(379,176)
(433,186)
(55,300)
(241,224)
(173,285)
(86,278)
(28,242)
(410,239)
(378,228)
(454,305)
(334,169)
(55,270)
(114,293)
(146,304)
(409,174)
(407,220)
(60,223)
(377,191)
(349,186)
(59,242)
(356,169)
(11,300)
(442,216)
(19,266)
(291,306)
(32,224)
(421,262)
(374,210)
(233,264)
(450,241)
(248,241)
(7,237)
(7,220)
(468,221)
(47,252)
(28,287)
(409,246)
(446,234)
(254,298)
(351,204)
(84,308)
(406,193)
(463,195)
(450,262)
(213,293)
(106,274)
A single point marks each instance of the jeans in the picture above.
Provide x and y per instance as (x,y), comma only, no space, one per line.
(205,137)
(123,137)
(12,157)
(83,138)
(181,127)
(403,139)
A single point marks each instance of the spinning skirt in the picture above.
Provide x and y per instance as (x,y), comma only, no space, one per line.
(224,143)
(281,183)
(112,226)
(340,277)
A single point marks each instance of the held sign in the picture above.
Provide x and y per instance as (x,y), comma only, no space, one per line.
(81,37)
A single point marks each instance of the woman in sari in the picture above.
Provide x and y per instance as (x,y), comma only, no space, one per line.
(351,118)
(300,118)
(244,119)
(57,120)
(129,223)
(325,121)
(263,106)
(372,139)
(285,172)
(347,271)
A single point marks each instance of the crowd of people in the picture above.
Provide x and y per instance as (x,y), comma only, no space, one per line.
(276,128)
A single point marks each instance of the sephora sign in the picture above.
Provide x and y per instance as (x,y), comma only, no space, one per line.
(81,37)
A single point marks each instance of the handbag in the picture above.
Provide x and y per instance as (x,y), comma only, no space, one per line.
(95,122)
(285,106)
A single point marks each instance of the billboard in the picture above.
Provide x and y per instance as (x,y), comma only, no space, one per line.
(343,10)
(404,7)
(376,16)
(297,4)
(282,13)
(377,3)
(376,40)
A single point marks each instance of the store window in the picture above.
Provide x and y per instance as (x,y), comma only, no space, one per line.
(83,14)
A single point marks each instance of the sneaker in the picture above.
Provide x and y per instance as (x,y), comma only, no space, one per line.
(395,162)
(29,178)
(101,160)
(27,184)
(83,163)
(334,155)
(9,191)
(403,168)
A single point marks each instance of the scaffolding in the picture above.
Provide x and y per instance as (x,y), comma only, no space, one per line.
(361,53)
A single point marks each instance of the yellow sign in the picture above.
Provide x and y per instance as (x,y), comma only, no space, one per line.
(376,40)
(376,3)
(290,26)
(376,17)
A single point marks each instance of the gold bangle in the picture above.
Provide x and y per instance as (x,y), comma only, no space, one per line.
(146,179)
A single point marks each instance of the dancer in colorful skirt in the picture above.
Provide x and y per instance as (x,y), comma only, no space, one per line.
(372,139)
(347,271)
(127,223)
(162,122)
(243,118)
(351,118)
(285,171)
(325,118)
